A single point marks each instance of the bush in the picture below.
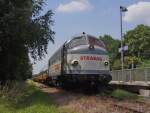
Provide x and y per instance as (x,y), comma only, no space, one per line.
(13,91)
(116,65)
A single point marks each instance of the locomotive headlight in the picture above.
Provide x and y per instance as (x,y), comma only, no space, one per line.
(91,47)
(74,63)
(106,63)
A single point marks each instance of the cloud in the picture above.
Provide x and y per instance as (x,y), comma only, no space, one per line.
(74,6)
(138,13)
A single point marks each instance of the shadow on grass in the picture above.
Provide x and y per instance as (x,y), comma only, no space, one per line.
(33,101)
(34,97)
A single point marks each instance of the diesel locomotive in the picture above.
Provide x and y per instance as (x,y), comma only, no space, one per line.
(83,59)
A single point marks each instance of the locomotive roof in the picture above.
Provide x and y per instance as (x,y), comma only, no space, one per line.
(76,36)
(84,35)
(81,35)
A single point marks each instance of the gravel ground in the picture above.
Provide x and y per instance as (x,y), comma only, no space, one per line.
(70,102)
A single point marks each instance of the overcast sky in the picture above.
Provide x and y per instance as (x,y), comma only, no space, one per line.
(95,17)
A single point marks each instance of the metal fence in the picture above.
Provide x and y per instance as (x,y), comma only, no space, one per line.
(130,75)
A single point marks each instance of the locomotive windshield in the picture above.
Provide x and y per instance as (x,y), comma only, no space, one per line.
(77,41)
(95,41)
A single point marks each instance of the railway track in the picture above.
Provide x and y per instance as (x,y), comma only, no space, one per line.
(136,107)
(129,109)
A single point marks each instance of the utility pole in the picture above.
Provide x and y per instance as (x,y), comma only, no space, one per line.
(122,9)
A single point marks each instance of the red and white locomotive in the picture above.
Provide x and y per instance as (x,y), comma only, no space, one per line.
(81,59)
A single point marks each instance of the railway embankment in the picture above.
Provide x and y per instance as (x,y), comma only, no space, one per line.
(33,97)
(117,101)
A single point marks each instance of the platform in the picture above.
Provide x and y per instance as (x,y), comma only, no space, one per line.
(133,83)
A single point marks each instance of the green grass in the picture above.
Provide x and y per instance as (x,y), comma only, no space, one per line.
(25,99)
(122,94)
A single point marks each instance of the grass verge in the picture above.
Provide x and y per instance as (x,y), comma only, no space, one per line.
(122,94)
(25,98)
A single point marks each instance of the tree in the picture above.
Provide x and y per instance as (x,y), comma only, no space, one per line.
(23,30)
(112,46)
(138,41)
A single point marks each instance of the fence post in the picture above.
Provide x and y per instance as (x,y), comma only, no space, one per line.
(130,75)
(118,76)
(145,74)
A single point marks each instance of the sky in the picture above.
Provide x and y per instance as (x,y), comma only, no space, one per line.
(95,17)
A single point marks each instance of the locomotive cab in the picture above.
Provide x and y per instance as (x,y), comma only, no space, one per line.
(87,59)
(83,59)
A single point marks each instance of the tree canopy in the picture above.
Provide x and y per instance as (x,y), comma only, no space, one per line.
(138,41)
(112,46)
(23,30)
